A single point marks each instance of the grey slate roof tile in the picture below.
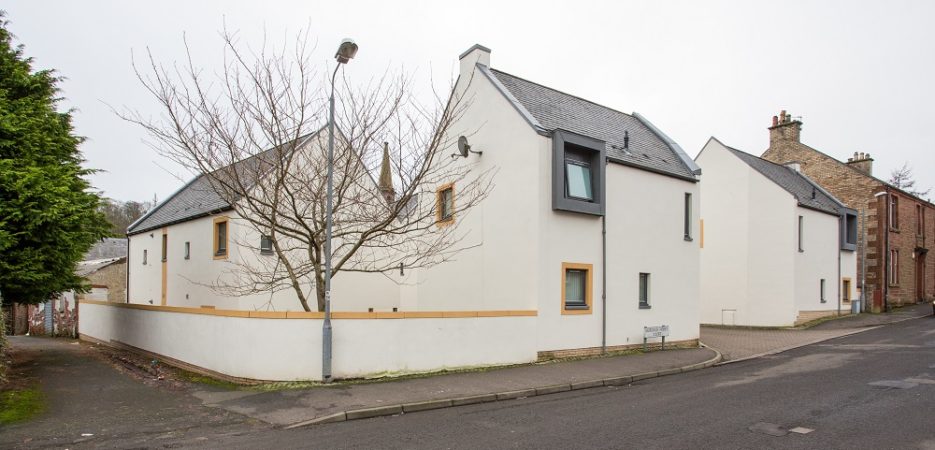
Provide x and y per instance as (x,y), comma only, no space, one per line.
(106,249)
(806,191)
(557,110)
(198,198)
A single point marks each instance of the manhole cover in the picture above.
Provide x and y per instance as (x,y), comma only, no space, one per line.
(898,384)
(770,429)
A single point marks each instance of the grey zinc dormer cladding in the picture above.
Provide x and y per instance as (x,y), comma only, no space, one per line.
(198,198)
(805,191)
(548,110)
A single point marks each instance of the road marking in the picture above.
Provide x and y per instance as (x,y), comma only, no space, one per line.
(801,430)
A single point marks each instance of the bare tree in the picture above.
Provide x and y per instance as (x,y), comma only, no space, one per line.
(903,179)
(257,132)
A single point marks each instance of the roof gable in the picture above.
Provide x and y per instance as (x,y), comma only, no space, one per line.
(550,109)
(808,193)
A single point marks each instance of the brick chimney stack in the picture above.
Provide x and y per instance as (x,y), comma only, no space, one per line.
(862,162)
(785,128)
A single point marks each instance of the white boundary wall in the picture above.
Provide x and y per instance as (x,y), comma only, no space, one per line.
(290,349)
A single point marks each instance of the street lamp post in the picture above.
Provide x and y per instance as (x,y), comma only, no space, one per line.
(345,53)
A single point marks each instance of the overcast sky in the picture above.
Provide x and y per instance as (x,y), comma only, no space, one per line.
(860,74)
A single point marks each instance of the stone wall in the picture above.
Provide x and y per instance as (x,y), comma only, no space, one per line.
(114,277)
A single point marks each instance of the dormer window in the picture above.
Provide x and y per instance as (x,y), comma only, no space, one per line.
(577,173)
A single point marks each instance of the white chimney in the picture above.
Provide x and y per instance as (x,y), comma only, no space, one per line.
(477,54)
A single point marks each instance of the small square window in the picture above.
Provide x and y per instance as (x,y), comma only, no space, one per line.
(188,250)
(644,291)
(576,288)
(578,180)
(266,244)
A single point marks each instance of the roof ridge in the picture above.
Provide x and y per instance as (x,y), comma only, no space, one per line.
(561,92)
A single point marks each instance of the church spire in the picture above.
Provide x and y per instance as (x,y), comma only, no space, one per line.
(386,177)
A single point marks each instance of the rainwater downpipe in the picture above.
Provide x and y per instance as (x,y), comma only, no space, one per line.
(604,282)
(842,222)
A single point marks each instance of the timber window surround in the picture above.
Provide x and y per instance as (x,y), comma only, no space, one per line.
(822,292)
(445,204)
(688,217)
(846,290)
(644,291)
(578,169)
(894,268)
(577,288)
(220,238)
(801,231)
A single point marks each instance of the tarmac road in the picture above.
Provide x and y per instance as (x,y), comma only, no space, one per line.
(874,390)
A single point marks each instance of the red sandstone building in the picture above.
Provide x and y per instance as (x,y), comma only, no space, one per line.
(897,227)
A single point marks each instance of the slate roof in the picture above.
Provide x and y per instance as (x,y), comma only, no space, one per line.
(197,198)
(808,193)
(552,109)
(85,268)
(107,248)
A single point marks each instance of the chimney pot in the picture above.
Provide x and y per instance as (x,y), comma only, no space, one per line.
(775,120)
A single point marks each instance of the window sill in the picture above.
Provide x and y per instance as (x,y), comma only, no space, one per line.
(688,239)
(267,252)
(646,306)
(573,310)
(801,251)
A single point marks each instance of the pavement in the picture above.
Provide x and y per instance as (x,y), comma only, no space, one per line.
(91,404)
(740,343)
(337,403)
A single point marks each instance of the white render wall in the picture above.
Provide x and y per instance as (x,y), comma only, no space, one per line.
(752,273)
(290,349)
(188,282)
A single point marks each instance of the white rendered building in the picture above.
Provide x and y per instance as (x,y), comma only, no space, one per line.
(778,250)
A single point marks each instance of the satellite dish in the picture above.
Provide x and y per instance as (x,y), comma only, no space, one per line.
(463,146)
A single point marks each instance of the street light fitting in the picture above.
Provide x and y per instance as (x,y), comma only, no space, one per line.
(346,51)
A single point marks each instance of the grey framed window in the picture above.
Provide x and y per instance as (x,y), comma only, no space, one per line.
(165,247)
(823,300)
(576,289)
(578,184)
(578,169)
(145,254)
(188,250)
(849,231)
(644,291)
(801,231)
(266,244)
(688,216)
